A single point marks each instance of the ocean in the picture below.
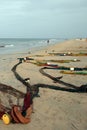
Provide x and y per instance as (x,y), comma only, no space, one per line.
(24,45)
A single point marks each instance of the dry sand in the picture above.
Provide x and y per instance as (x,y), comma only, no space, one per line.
(54,109)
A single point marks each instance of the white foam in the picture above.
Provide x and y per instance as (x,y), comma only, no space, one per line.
(10,45)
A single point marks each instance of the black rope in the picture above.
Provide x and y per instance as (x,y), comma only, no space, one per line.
(34,89)
(82,88)
(18,77)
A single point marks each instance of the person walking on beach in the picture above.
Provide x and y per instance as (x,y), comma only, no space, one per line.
(47,41)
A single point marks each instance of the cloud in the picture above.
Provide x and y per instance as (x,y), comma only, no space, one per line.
(12,7)
(42,17)
(57,4)
(33,7)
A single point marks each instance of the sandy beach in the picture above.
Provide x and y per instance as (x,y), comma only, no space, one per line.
(59,109)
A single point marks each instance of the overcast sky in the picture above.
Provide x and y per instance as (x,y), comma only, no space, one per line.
(43,18)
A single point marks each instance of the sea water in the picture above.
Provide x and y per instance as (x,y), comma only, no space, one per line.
(24,45)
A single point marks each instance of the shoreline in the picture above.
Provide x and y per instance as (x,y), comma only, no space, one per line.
(9,46)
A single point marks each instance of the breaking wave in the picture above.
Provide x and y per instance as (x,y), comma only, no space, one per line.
(10,45)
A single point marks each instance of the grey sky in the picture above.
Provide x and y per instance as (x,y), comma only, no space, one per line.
(43,18)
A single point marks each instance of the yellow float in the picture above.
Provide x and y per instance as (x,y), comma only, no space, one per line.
(6,118)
